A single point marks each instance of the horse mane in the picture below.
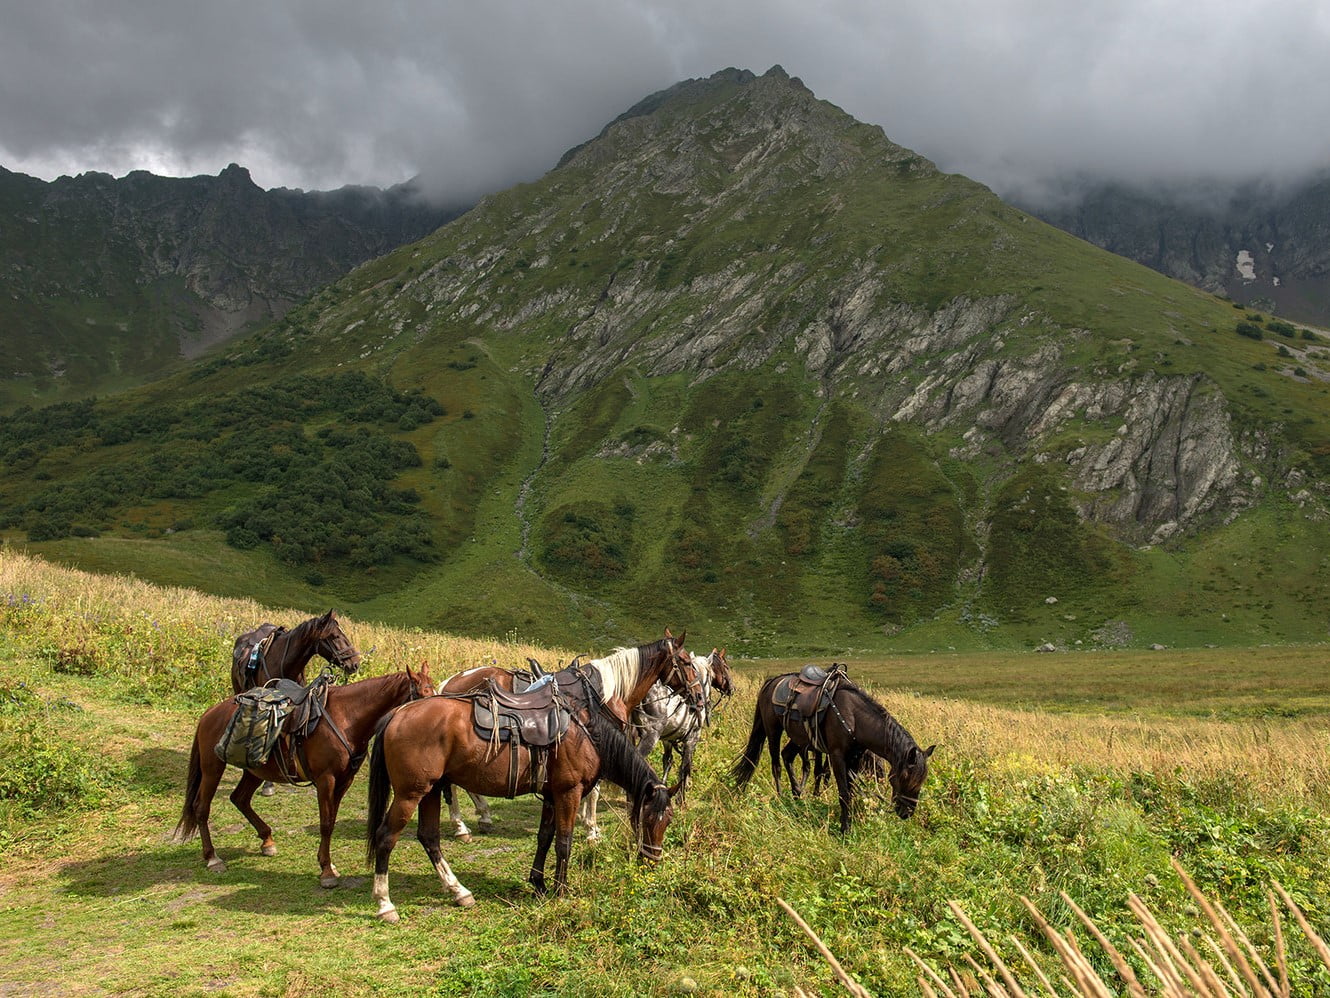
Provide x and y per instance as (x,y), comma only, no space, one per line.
(620,762)
(619,669)
(899,741)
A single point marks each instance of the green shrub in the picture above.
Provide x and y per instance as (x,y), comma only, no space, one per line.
(1249,330)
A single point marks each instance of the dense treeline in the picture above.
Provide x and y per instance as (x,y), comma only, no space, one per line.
(315,495)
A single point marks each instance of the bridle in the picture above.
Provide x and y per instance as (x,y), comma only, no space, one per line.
(645,849)
(328,647)
(676,672)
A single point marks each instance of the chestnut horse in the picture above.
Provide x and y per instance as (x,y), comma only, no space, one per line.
(431,745)
(329,757)
(855,725)
(617,679)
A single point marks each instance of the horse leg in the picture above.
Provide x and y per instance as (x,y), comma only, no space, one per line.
(210,777)
(565,815)
(773,749)
(483,812)
(330,791)
(241,797)
(544,836)
(587,813)
(787,756)
(385,838)
(427,832)
(666,760)
(845,786)
(460,831)
(819,772)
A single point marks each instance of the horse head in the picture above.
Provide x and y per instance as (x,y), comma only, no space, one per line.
(681,672)
(651,817)
(332,643)
(720,671)
(907,780)
(422,685)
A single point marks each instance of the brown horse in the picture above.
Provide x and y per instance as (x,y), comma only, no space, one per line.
(617,678)
(287,652)
(329,758)
(856,725)
(426,747)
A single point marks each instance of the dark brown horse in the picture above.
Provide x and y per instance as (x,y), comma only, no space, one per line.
(426,747)
(329,758)
(854,726)
(283,654)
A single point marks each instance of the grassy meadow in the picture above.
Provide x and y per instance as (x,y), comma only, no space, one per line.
(1079,772)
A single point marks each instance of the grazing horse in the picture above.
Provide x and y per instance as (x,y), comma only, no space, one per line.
(619,677)
(426,747)
(669,719)
(624,676)
(270,652)
(854,725)
(328,757)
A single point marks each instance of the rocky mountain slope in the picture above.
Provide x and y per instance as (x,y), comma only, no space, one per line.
(1260,246)
(743,362)
(111,281)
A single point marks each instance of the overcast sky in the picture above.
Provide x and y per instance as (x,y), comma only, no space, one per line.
(477,95)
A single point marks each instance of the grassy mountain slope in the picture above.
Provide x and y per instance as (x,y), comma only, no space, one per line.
(105,283)
(743,364)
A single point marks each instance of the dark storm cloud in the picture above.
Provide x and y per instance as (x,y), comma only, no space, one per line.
(319,93)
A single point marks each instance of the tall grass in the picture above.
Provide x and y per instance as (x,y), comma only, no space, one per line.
(1076,813)
(172,640)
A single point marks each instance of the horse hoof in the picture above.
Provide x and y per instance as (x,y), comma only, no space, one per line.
(486,827)
(467,900)
(269,850)
(216,866)
(464,837)
(267,790)
(389,915)
(329,882)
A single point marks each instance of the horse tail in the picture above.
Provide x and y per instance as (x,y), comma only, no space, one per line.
(188,825)
(379,785)
(743,767)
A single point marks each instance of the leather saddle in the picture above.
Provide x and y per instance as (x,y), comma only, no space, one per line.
(803,698)
(537,717)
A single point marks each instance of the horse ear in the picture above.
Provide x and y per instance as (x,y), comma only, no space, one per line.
(668,634)
(671,791)
(928,752)
(682,636)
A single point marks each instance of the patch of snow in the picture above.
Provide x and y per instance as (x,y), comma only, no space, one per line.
(1269,247)
(1276,280)
(1246,266)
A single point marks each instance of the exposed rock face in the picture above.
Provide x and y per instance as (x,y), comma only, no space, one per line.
(728,221)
